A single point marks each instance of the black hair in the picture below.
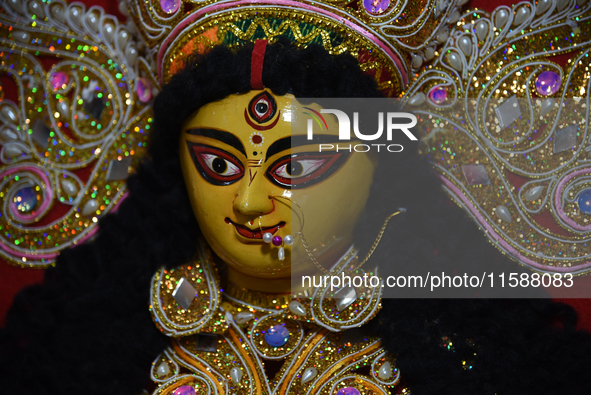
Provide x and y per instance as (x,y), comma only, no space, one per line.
(87,328)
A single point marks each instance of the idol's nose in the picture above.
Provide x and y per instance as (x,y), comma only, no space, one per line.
(252,198)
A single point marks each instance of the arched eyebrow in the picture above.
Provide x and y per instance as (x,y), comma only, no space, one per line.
(220,135)
(298,140)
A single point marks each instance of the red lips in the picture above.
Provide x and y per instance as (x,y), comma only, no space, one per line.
(255,233)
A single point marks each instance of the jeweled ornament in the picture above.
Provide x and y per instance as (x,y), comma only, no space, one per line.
(25,199)
(170,6)
(348,391)
(184,390)
(376,7)
(584,201)
(59,80)
(438,95)
(144,90)
(277,336)
(277,240)
(548,83)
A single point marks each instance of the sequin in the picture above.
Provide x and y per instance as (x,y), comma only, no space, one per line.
(277,336)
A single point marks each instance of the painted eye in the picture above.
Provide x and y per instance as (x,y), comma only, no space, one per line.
(216,166)
(262,107)
(304,169)
(299,168)
(221,166)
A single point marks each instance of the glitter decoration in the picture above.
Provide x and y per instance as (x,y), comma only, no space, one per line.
(376,7)
(438,95)
(548,83)
(59,80)
(348,391)
(143,89)
(184,390)
(584,201)
(277,336)
(170,6)
(25,199)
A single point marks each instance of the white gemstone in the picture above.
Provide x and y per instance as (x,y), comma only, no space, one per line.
(21,36)
(534,193)
(131,54)
(455,61)
(481,30)
(345,297)
(521,15)
(429,53)
(63,108)
(70,188)
(16,5)
(123,8)
(92,20)
(296,308)
(417,61)
(75,14)
(465,45)
(281,254)
(109,31)
(37,9)
(57,11)
(90,207)
(12,151)
(443,36)
(288,240)
(7,135)
(163,370)
(385,371)
(267,237)
(122,38)
(309,375)
(501,18)
(9,113)
(417,99)
(503,213)
(236,375)
(543,6)
(243,317)
(454,17)
(561,4)
(546,106)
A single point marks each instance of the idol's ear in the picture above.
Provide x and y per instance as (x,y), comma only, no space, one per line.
(186,300)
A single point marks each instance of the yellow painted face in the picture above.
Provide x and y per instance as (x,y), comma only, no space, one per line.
(246,176)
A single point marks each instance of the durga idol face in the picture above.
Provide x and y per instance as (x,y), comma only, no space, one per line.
(250,170)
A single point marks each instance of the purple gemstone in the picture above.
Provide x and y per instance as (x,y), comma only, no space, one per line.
(277,240)
(184,390)
(548,83)
(144,90)
(438,95)
(376,7)
(277,336)
(348,391)
(25,199)
(170,6)
(58,80)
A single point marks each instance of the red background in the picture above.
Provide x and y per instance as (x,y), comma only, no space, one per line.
(12,278)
